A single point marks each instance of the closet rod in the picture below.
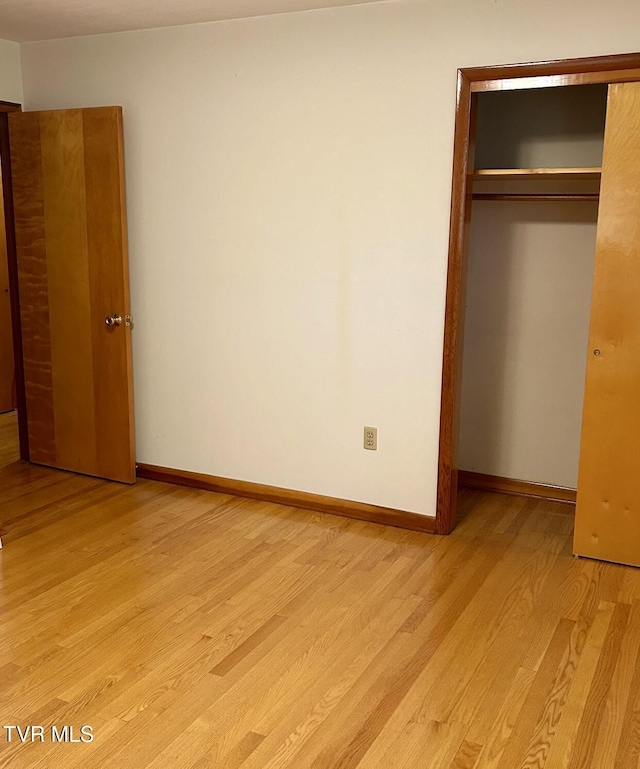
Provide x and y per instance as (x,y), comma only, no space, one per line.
(530,196)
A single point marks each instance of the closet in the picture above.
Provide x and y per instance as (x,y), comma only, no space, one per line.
(551,365)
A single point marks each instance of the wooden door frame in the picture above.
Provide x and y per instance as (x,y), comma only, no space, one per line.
(12,262)
(550,74)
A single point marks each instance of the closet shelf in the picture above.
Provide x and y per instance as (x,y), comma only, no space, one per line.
(493,189)
(487,174)
(567,196)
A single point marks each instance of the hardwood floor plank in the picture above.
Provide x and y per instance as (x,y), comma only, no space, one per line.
(619,694)
(561,747)
(467,755)
(555,663)
(498,735)
(387,691)
(320,658)
(236,757)
(628,748)
(195,630)
(593,710)
(475,639)
(630,590)
(340,703)
(431,745)
(252,642)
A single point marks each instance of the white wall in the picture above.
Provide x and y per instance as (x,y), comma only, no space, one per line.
(289,185)
(10,75)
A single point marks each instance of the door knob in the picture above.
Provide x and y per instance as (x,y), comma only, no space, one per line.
(113,320)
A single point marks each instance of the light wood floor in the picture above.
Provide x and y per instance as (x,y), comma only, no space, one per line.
(192,629)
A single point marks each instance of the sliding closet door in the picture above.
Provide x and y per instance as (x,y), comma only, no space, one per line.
(608,509)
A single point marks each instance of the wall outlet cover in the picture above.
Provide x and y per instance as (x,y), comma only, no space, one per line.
(371,438)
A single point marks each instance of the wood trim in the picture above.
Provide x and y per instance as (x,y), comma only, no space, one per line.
(471,80)
(560,67)
(453,318)
(554,74)
(556,81)
(484,482)
(343,507)
(12,261)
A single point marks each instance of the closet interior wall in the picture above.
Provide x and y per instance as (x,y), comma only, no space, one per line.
(530,273)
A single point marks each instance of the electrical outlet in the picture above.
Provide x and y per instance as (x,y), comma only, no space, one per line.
(371,438)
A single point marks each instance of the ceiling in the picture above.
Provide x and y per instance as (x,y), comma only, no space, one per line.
(28,20)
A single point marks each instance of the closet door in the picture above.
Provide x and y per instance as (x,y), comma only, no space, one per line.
(607,523)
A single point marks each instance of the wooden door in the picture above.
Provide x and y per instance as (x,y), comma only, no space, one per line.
(608,506)
(7,378)
(68,184)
